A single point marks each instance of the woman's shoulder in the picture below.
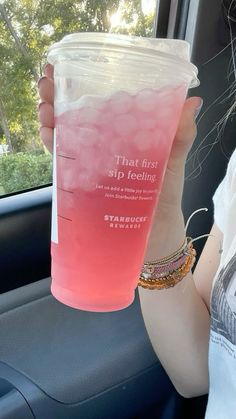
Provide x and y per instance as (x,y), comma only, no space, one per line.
(233,157)
(224,193)
(231,172)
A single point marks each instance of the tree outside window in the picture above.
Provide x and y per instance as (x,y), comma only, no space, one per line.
(27,29)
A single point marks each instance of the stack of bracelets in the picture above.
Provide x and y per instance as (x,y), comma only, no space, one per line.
(167,272)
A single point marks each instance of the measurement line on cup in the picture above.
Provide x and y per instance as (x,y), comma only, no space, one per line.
(64,218)
(64,190)
(66,157)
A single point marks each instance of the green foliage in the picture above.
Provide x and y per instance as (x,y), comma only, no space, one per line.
(27,29)
(136,23)
(24,171)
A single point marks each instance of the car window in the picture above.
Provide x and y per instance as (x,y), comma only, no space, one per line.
(27,29)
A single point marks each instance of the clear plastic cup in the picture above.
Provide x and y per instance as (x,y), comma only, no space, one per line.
(118,100)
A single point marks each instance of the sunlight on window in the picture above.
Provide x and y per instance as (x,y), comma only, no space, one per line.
(116,19)
(120,24)
(148,6)
(127,18)
(48,30)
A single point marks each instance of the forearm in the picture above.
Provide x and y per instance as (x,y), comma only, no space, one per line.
(177,319)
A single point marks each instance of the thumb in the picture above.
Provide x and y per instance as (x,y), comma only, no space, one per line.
(187,129)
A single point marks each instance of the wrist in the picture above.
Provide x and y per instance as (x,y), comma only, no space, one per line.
(170,199)
(167,233)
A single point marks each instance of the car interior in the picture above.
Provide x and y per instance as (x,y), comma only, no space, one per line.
(60,363)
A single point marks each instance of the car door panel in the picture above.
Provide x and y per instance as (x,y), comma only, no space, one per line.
(81,364)
(25,238)
(61,363)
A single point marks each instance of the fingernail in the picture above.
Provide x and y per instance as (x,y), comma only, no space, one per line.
(40,79)
(40,104)
(46,67)
(198,109)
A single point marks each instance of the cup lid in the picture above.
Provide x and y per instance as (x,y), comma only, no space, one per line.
(173,49)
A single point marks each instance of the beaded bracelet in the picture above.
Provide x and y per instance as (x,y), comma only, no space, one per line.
(167,272)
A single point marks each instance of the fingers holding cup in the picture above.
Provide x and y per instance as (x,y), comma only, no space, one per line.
(45,107)
(46,135)
(46,89)
(187,129)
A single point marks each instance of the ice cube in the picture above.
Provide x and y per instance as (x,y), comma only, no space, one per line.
(118,146)
(92,101)
(164,112)
(88,116)
(67,140)
(88,137)
(164,117)
(121,102)
(67,173)
(88,157)
(106,136)
(144,139)
(68,118)
(106,120)
(125,124)
(146,100)
(87,181)
(100,103)
(166,97)
(145,122)
(160,138)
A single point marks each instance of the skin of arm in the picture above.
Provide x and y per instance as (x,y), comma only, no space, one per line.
(177,319)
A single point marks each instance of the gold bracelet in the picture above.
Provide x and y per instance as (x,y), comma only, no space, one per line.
(172,256)
(173,277)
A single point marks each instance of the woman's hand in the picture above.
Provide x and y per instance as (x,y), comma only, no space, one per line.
(171,194)
(45,108)
(172,189)
(168,230)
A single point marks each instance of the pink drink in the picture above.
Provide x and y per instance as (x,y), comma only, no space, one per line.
(111,158)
